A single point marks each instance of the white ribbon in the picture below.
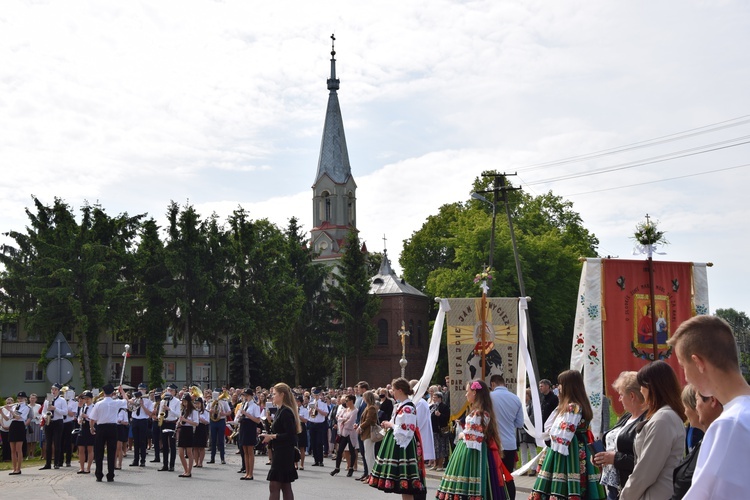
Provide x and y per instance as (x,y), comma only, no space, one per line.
(524,367)
(434,352)
(646,250)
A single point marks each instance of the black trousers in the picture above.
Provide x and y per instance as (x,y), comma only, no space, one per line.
(106,435)
(344,442)
(53,435)
(67,441)
(168,444)
(140,439)
(156,440)
(318,432)
(509,459)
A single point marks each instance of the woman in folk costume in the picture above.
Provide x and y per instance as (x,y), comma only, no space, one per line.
(475,469)
(566,471)
(399,466)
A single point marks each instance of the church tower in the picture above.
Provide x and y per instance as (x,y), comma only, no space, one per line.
(334,190)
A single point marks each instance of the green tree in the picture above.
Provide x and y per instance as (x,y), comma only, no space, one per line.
(311,332)
(72,278)
(264,299)
(353,304)
(740,324)
(153,282)
(452,246)
(191,288)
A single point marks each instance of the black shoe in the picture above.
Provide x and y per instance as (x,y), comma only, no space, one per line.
(350,473)
(134,464)
(67,464)
(98,480)
(211,462)
(241,471)
(56,467)
(164,469)
(223,462)
(171,469)
(362,477)
(335,471)
(143,464)
(110,480)
(46,467)
(157,461)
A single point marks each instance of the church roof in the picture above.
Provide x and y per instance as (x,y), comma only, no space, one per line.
(387,283)
(334,157)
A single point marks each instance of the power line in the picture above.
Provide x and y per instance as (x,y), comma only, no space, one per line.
(659,180)
(734,122)
(648,161)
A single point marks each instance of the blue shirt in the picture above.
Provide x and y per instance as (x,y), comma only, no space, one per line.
(509,415)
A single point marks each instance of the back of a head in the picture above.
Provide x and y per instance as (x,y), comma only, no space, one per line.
(497,379)
(573,390)
(709,337)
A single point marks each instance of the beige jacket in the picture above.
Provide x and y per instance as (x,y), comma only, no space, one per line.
(659,447)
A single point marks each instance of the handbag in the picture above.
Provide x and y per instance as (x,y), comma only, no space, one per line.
(297,455)
(376,433)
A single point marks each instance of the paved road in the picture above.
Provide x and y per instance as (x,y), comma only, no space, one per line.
(212,481)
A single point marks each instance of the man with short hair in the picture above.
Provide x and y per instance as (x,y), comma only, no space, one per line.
(707,351)
(549,400)
(53,432)
(318,426)
(361,388)
(139,425)
(103,425)
(509,416)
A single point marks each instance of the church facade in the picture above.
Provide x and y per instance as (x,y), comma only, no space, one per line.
(334,213)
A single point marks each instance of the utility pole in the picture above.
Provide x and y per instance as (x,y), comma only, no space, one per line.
(500,188)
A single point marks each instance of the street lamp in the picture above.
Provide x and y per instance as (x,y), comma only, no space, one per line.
(403,333)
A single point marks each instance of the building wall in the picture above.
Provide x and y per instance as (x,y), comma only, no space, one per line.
(381,365)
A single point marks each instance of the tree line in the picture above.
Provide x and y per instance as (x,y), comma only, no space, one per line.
(201,280)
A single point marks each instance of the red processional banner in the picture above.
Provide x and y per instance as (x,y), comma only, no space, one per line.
(627,326)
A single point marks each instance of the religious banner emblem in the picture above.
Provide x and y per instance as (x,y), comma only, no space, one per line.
(466,346)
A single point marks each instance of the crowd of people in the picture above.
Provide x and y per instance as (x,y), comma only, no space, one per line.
(671,442)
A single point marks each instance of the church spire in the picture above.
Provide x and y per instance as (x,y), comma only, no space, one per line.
(334,156)
(333,82)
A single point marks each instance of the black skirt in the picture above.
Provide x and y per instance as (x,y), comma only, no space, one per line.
(85,438)
(200,438)
(185,437)
(17,432)
(122,433)
(302,436)
(248,432)
(282,463)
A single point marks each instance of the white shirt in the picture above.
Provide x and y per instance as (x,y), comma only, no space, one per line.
(304,414)
(106,411)
(23,409)
(252,408)
(36,417)
(424,422)
(192,417)
(322,409)
(57,406)
(148,404)
(122,416)
(174,409)
(723,460)
(203,417)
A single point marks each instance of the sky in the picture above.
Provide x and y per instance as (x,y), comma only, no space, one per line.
(221,103)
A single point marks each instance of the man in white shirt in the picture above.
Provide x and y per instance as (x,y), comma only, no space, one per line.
(707,352)
(318,426)
(509,416)
(103,425)
(53,432)
(171,404)
(139,425)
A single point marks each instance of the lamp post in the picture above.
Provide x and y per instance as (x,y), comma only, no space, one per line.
(403,333)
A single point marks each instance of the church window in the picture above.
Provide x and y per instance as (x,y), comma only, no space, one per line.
(419,333)
(382,331)
(411,332)
(350,208)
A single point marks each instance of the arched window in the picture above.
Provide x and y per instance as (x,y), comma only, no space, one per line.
(350,208)
(382,331)
(411,332)
(324,211)
(419,333)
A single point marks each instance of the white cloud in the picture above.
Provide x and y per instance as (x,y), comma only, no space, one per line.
(222,103)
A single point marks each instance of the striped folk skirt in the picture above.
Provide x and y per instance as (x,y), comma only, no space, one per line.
(397,469)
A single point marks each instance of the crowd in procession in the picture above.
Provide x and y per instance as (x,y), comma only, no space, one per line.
(393,438)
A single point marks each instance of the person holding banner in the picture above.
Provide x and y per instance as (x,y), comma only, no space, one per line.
(566,470)
(475,469)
